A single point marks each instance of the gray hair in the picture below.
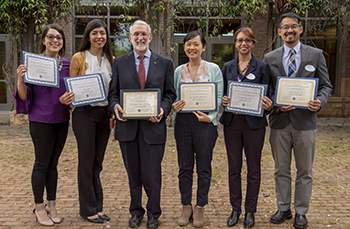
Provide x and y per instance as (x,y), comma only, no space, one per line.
(140,22)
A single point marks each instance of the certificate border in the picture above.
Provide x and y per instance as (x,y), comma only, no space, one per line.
(263,90)
(102,98)
(139,117)
(279,78)
(196,84)
(55,83)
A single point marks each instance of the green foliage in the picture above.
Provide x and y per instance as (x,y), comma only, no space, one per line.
(14,15)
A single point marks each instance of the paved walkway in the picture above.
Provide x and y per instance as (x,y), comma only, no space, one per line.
(330,205)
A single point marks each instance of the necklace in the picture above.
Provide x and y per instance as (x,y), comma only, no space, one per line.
(60,65)
(241,71)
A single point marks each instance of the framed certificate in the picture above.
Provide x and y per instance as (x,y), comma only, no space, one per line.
(198,96)
(88,89)
(245,98)
(295,91)
(42,70)
(140,103)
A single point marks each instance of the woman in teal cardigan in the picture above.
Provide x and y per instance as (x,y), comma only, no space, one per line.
(196,132)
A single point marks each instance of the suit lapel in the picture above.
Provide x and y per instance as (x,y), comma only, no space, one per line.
(233,70)
(304,57)
(279,58)
(251,67)
(153,65)
(132,67)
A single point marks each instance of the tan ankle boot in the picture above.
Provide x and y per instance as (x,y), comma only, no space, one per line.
(186,215)
(51,209)
(198,216)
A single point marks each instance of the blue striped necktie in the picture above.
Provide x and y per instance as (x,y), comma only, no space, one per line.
(292,71)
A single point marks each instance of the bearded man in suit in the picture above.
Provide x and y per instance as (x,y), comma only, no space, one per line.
(142,142)
(295,128)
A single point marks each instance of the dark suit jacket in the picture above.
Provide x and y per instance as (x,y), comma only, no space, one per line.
(302,119)
(261,72)
(124,76)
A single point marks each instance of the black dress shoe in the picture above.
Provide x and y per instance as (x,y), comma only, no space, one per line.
(280,216)
(233,218)
(300,221)
(135,221)
(95,220)
(104,217)
(249,220)
(152,222)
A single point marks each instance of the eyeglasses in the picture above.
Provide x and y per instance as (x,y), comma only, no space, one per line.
(247,41)
(52,37)
(287,27)
(140,34)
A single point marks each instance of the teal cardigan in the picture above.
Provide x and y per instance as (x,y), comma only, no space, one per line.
(215,75)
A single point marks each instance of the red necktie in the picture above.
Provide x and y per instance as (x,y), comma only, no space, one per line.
(142,72)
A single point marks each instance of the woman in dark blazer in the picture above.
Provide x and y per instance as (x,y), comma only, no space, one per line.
(244,131)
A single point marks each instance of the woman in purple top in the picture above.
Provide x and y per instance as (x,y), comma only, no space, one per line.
(48,114)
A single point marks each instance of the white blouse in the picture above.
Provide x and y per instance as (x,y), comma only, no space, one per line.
(105,69)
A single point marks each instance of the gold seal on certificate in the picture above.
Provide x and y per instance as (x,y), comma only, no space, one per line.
(295,91)
(198,96)
(140,103)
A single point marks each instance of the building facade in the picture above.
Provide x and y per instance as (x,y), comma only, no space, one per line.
(322,33)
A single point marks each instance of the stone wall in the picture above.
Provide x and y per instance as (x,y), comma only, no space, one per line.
(16,119)
(336,107)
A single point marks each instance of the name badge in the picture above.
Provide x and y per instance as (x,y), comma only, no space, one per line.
(310,68)
(251,76)
(204,78)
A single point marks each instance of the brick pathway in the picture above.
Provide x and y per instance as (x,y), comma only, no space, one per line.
(330,205)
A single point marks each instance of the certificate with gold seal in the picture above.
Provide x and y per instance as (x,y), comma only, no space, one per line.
(140,103)
(198,96)
(295,91)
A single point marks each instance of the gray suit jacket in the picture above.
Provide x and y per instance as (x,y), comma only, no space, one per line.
(301,119)
(124,76)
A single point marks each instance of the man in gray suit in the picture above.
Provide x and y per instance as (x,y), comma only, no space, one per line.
(295,128)
(142,142)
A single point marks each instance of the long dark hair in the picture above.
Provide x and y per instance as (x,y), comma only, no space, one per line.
(85,42)
(59,29)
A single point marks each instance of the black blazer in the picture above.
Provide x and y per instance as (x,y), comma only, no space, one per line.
(124,76)
(261,71)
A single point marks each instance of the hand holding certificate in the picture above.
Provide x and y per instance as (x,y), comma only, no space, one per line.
(295,91)
(245,98)
(198,96)
(42,70)
(88,89)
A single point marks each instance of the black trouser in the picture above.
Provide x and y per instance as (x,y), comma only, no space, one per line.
(194,140)
(91,129)
(239,135)
(48,140)
(143,164)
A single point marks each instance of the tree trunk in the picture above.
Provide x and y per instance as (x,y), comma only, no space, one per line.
(28,37)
